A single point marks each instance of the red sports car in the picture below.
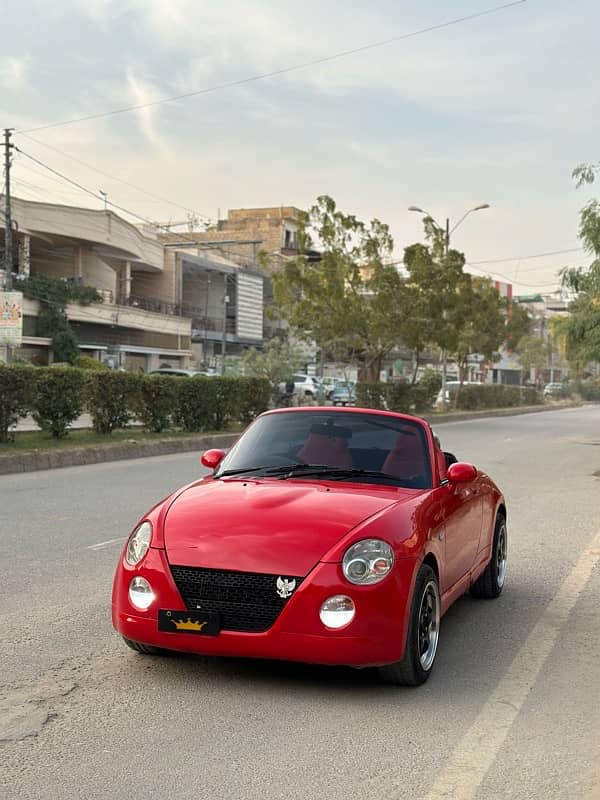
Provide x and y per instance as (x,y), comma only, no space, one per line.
(325,535)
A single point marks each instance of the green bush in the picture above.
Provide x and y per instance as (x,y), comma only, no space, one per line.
(193,403)
(253,396)
(112,397)
(399,395)
(588,390)
(58,398)
(16,394)
(370,395)
(87,362)
(157,401)
(495,395)
(427,389)
(213,403)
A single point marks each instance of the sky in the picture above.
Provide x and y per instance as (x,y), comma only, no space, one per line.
(497,110)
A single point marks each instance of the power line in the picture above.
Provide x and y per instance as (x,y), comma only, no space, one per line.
(120,180)
(526,258)
(276,72)
(90,192)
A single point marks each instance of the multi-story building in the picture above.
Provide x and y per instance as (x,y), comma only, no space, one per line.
(138,324)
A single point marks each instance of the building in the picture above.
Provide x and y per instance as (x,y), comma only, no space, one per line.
(258,239)
(248,232)
(139,324)
(223,300)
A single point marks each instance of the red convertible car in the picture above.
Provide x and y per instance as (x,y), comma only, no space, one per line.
(325,535)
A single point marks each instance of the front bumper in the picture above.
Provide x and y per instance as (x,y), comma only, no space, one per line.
(375,636)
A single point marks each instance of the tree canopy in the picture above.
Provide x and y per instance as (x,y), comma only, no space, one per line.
(357,306)
(580,331)
(350,301)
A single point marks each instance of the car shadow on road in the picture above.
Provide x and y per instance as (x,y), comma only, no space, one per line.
(479,639)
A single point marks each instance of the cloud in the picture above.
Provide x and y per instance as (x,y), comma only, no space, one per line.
(14,72)
(141,92)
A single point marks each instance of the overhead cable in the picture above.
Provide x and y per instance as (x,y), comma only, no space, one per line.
(281,71)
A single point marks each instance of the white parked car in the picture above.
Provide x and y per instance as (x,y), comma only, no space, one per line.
(451,389)
(304,386)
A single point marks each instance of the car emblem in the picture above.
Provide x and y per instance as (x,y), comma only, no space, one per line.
(285,587)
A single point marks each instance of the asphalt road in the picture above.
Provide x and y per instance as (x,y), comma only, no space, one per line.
(511,711)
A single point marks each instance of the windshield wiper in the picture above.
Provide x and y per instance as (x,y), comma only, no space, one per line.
(286,471)
(265,467)
(303,470)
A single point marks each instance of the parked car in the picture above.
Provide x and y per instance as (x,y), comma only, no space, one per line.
(189,373)
(327,386)
(304,386)
(344,394)
(556,390)
(451,390)
(325,535)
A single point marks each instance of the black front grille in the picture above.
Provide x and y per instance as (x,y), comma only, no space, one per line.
(246,601)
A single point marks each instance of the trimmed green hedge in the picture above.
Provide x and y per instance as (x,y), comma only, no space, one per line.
(496,395)
(16,394)
(213,403)
(157,402)
(587,390)
(112,399)
(400,395)
(56,396)
(419,398)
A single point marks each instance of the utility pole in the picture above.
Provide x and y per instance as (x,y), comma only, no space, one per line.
(8,244)
(446,233)
(224,340)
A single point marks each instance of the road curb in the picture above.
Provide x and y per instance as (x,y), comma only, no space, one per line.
(459,416)
(81,456)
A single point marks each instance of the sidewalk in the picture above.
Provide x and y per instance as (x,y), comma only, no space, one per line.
(11,463)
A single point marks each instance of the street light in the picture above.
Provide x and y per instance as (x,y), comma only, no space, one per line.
(447,233)
(448,230)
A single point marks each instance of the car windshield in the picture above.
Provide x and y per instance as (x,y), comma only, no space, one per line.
(372,448)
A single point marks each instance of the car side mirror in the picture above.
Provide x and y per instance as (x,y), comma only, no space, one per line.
(461,472)
(212,458)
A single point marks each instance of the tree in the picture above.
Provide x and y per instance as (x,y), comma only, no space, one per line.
(482,323)
(276,362)
(518,324)
(532,352)
(350,302)
(580,332)
(449,308)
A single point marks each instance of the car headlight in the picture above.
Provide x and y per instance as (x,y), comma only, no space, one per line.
(138,543)
(368,561)
(337,611)
(140,593)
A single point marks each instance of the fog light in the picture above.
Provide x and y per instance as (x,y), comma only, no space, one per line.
(140,593)
(337,611)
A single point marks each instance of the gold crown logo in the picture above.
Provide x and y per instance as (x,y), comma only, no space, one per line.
(188,625)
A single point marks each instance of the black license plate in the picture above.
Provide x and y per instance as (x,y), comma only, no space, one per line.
(205,623)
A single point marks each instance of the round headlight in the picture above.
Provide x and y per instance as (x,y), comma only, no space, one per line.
(140,593)
(368,561)
(337,611)
(138,543)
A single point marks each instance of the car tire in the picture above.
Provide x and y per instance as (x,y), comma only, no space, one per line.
(490,583)
(144,649)
(423,634)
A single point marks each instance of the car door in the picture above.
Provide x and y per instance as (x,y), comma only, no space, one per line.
(463,517)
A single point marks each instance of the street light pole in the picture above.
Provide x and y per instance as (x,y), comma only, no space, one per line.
(447,232)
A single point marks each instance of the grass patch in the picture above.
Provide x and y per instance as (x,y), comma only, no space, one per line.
(34,441)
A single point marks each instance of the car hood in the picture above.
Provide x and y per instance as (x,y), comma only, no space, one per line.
(276,527)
